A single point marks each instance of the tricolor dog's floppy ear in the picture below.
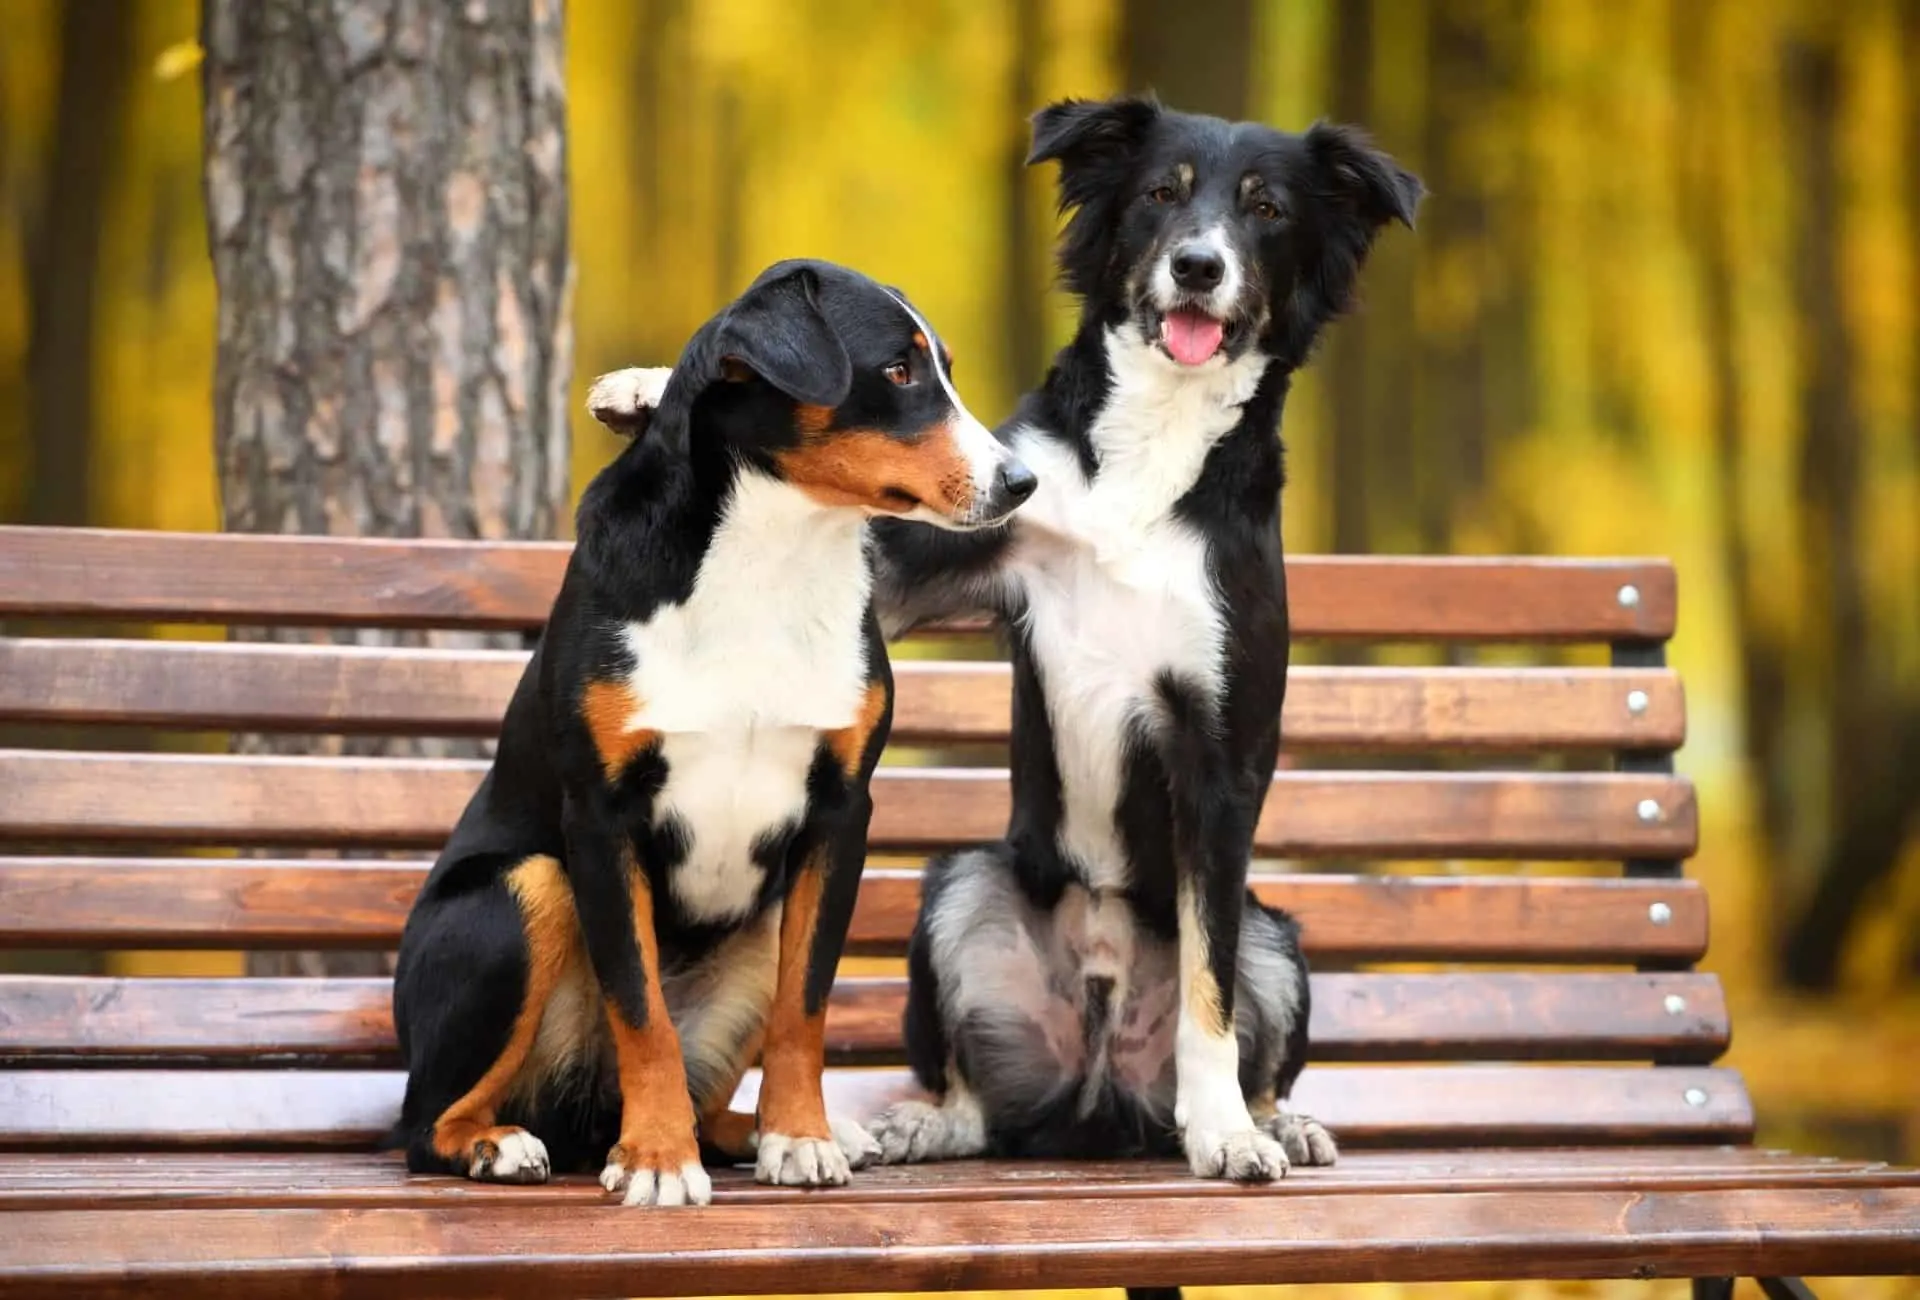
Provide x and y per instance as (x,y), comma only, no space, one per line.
(1095,143)
(774,331)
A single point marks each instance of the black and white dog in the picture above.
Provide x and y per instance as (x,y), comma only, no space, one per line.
(1102,982)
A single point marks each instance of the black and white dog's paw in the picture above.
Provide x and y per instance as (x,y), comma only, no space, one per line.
(909,1132)
(624,400)
(1304,1138)
(1241,1156)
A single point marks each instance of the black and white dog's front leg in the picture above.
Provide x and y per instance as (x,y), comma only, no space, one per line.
(1214,816)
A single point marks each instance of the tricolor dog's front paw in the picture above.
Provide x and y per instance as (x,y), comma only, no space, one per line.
(804,1161)
(1243,1156)
(624,400)
(656,1178)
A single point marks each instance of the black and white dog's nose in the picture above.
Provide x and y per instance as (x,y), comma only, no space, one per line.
(1015,481)
(1198,268)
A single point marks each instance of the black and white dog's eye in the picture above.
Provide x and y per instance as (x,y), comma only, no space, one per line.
(1162,194)
(1266,211)
(898,373)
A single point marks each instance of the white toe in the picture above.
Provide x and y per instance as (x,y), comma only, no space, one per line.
(800,1162)
(1245,1156)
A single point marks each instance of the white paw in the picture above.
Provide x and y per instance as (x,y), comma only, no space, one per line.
(855,1143)
(1244,1156)
(625,399)
(687,1185)
(515,1157)
(800,1162)
(1304,1139)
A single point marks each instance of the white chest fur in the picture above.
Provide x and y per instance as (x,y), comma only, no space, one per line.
(740,680)
(1116,590)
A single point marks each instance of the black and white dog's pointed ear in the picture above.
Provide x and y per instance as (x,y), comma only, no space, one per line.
(1076,131)
(1354,172)
(776,331)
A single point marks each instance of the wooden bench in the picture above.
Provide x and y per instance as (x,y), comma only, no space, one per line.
(1539,1100)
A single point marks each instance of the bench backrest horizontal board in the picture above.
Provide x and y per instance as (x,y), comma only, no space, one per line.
(367,690)
(397,803)
(261,903)
(1469,1055)
(365,582)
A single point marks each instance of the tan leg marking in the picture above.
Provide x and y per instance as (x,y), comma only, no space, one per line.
(656,1115)
(465,1132)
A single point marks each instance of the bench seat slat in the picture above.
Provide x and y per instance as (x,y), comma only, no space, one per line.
(212,799)
(831,1242)
(73,1180)
(57,902)
(1457,1105)
(1477,1016)
(359,689)
(99,573)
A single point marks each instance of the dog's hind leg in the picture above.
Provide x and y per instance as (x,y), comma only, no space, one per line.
(1270,1018)
(475,986)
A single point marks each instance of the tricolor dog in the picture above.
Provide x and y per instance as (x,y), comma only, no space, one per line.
(1102,981)
(651,887)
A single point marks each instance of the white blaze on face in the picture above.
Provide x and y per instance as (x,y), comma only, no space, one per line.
(1193,329)
(983,452)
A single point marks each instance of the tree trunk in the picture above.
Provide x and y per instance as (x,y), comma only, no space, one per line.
(96,50)
(1196,55)
(387,210)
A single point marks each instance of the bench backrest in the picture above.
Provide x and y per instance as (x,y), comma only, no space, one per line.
(1404,827)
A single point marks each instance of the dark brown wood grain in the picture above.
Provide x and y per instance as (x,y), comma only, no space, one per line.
(834,1243)
(358,689)
(1362,1017)
(316,1180)
(220,799)
(60,902)
(1402,1106)
(230,578)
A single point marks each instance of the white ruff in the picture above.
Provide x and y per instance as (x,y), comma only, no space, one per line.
(1116,590)
(740,680)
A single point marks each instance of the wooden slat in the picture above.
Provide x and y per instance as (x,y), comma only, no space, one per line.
(211,799)
(85,1020)
(231,578)
(1368,1106)
(834,1243)
(51,902)
(351,689)
(80,1180)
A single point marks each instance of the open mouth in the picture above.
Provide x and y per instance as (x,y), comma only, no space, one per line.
(1192,337)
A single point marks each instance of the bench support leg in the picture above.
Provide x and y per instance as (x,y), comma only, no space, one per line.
(1786,1288)
(1713,1288)
(1153,1293)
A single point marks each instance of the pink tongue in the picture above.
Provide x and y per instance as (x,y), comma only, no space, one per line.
(1191,336)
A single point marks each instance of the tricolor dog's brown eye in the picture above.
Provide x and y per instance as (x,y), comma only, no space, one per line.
(1162,194)
(897,372)
(1266,211)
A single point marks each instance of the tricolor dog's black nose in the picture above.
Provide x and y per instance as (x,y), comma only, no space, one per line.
(1198,268)
(1015,482)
